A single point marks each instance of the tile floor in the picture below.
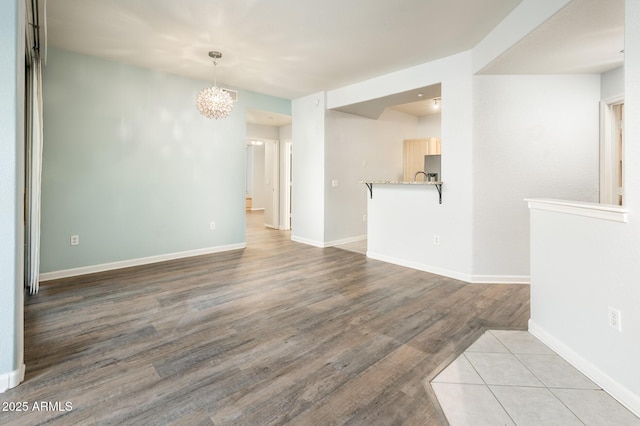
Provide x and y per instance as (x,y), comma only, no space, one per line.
(511,378)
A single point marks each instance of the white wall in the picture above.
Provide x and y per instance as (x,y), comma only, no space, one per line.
(12,54)
(285,132)
(452,219)
(534,136)
(581,266)
(358,148)
(255,175)
(262,132)
(430,126)
(308,169)
(612,84)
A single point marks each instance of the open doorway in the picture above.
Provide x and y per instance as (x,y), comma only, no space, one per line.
(612,152)
(268,181)
(269,147)
(263,180)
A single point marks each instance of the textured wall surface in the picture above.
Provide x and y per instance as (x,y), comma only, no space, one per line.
(582,266)
(534,136)
(132,167)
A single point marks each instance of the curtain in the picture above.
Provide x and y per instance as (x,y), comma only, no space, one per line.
(33,174)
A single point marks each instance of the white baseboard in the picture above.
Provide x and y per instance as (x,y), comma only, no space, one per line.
(420,266)
(473,279)
(325,244)
(345,241)
(500,279)
(66,273)
(11,379)
(608,384)
(307,241)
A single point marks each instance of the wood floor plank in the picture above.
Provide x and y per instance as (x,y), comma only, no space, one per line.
(277,333)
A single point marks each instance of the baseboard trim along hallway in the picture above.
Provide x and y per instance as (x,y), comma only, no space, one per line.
(84,270)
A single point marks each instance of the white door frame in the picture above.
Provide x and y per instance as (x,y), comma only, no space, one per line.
(285,225)
(608,151)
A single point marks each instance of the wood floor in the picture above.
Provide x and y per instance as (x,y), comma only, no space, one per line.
(277,333)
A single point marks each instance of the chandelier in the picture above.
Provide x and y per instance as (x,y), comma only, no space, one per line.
(214,102)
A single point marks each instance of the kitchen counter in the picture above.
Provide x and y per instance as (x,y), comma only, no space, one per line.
(394,182)
(370,183)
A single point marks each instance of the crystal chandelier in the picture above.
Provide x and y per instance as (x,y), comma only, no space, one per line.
(214,102)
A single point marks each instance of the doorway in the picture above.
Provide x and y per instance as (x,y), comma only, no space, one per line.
(268,179)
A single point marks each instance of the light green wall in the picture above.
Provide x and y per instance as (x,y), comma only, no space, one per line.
(132,167)
(11,188)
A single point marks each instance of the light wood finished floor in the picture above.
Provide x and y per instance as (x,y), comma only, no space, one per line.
(277,333)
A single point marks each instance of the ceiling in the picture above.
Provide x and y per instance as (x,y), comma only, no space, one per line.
(284,48)
(267,118)
(420,108)
(585,37)
(290,49)
(410,102)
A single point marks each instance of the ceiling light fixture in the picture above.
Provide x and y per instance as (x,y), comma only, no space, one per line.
(214,102)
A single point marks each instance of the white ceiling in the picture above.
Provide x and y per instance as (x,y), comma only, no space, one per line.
(586,36)
(292,48)
(420,108)
(414,102)
(285,48)
(267,118)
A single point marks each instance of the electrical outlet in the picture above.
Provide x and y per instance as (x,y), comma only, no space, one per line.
(334,183)
(614,319)
(75,240)
(212,226)
(364,217)
(436,240)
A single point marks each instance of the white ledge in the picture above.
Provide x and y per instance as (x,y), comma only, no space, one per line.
(577,208)
(395,182)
